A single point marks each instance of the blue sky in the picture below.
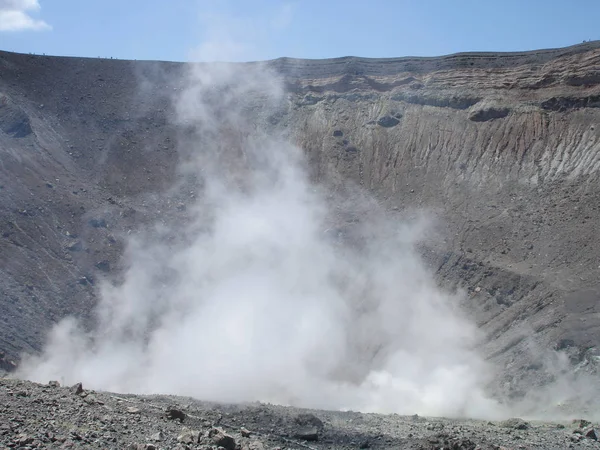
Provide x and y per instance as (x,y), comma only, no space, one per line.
(180,30)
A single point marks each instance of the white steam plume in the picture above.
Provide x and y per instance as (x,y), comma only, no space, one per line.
(252,300)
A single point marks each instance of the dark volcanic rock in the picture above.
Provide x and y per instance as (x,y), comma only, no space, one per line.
(388,121)
(308,427)
(6,364)
(592,433)
(490,113)
(174,413)
(77,389)
(515,423)
(13,120)
(218,437)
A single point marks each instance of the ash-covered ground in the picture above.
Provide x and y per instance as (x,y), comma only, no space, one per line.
(51,416)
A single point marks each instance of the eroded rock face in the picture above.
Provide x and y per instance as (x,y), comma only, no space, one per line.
(488,113)
(13,120)
(512,181)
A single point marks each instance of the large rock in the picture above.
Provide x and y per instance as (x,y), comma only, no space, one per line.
(173,413)
(189,437)
(308,427)
(515,423)
(218,437)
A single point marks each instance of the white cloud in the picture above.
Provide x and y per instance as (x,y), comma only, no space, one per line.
(15,16)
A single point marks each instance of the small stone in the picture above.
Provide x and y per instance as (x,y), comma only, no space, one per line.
(77,389)
(133,410)
(76,246)
(24,439)
(90,399)
(136,446)
(256,445)
(245,432)
(364,444)
(53,383)
(103,265)
(157,437)
(98,223)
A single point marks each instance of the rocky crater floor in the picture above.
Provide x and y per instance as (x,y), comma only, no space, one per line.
(51,416)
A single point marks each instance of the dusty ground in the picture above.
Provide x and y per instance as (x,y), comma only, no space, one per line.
(48,416)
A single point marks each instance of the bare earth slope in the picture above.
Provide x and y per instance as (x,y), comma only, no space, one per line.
(503,148)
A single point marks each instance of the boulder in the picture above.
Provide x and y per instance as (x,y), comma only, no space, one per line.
(387,121)
(77,389)
(189,437)
(175,414)
(516,424)
(218,437)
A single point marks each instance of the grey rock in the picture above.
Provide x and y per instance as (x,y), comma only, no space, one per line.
(308,427)
(174,413)
(90,399)
(218,437)
(388,121)
(157,437)
(581,423)
(77,389)
(98,223)
(256,445)
(14,122)
(307,420)
(189,437)
(103,265)
(488,113)
(515,423)
(592,433)
(307,433)
(76,246)
(23,439)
